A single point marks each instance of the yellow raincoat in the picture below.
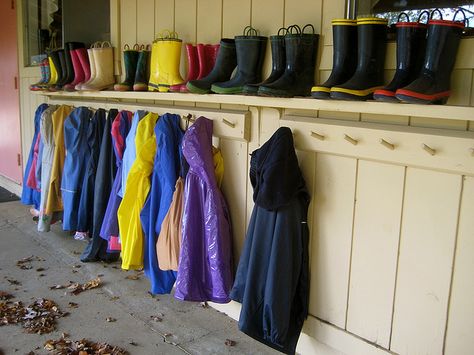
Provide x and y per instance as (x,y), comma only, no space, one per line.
(138,186)
(54,201)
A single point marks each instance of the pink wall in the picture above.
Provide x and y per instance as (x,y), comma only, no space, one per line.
(10,135)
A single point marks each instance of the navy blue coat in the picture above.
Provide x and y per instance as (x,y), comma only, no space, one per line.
(272,280)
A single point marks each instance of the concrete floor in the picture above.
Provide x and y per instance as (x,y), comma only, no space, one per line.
(186,327)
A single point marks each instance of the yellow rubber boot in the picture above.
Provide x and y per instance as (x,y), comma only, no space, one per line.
(169,64)
(53,72)
(156,50)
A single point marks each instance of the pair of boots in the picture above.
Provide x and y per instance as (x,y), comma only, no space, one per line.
(137,68)
(45,80)
(101,70)
(358,60)
(293,64)
(201,60)
(164,63)
(247,52)
(424,64)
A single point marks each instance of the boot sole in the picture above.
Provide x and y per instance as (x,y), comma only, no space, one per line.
(195,90)
(233,90)
(417,98)
(321,95)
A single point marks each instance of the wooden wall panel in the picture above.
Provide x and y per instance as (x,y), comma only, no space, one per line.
(374,250)
(330,11)
(335,181)
(164,15)
(303,12)
(209,21)
(461,312)
(457,125)
(128,28)
(427,241)
(461,83)
(236,14)
(145,21)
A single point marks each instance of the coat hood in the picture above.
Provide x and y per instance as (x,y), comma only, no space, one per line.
(274,171)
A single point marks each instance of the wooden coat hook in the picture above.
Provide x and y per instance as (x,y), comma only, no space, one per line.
(428,149)
(317,135)
(350,139)
(387,144)
(230,124)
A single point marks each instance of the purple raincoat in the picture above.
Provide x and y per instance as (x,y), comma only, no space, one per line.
(205,261)
(120,128)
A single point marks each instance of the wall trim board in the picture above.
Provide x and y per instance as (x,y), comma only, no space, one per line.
(10,185)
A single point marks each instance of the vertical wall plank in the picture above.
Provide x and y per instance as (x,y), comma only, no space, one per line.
(335,179)
(185,20)
(164,15)
(303,12)
(428,234)
(209,21)
(128,27)
(252,145)
(145,21)
(269,123)
(461,83)
(461,312)
(375,250)
(235,16)
(331,10)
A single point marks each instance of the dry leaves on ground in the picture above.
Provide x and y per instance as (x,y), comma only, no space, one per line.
(229,342)
(25,263)
(39,317)
(132,277)
(75,287)
(66,346)
(5,295)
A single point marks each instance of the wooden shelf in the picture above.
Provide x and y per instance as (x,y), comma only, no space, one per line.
(373,107)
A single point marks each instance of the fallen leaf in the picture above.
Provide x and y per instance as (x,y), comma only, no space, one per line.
(229,342)
(65,346)
(76,266)
(132,277)
(5,295)
(114,298)
(72,305)
(156,318)
(133,343)
(14,282)
(94,283)
(110,319)
(100,275)
(41,275)
(40,269)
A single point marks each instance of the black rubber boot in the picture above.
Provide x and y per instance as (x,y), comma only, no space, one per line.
(223,68)
(411,47)
(143,70)
(432,85)
(60,63)
(278,63)
(368,77)
(298,77)
(250,52)
(130,59)
(344,57)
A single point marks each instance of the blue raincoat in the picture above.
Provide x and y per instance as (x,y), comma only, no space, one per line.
(28,195)
(165,173)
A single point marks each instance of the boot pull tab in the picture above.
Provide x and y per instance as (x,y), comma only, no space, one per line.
(282,29)
(250,31)
(136,47)
(424,12)
(293,27)
(406,15)
(174,35)
(105,44)
(126,47)
(308,25)
(438,11)
(466,21)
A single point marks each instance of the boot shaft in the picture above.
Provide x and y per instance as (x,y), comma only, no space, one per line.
(411,45)
(193,66)
(226,57)
(371,45)
(277,44)
(250,51)
(207,54)
(130,59)
(143,68)
(344,33)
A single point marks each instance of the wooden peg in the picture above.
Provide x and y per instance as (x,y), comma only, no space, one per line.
(350,139)
(428,149)
(317,135)
(230,124)
(387,144)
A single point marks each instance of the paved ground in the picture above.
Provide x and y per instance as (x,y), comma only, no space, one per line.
(185,327)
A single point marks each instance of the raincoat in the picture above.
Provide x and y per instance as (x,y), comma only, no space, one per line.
(120,128)
(165,173)
(106,170)
(75,163)
(205,262)
(47,138)
(130,153)
(28,195)
(138,186)
(272,280)
(54,201)
(94,140)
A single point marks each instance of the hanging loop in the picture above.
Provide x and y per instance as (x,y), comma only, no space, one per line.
(317,135)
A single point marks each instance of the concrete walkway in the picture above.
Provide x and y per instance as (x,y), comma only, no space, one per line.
(144,324)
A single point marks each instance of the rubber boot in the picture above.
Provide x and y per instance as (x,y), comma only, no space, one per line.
(411,47)
(278,63)
(54,73)
(143,70)
(68,67)
(222,70)
(298,77)
(76,50)
(130,59)
(156,53)
(344,57)
(368,77)
(207,54)
(169,64)
(90,55)
(104,68)
(83,55)
(57,56)
(45,76)
(432,85)
(193,67)
(250,51)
